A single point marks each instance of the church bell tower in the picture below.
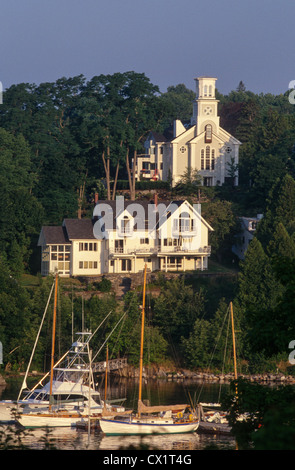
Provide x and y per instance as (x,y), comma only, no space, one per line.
(205,105)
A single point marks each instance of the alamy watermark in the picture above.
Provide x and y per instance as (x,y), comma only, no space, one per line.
(291,96)
(292,353)
(134,220)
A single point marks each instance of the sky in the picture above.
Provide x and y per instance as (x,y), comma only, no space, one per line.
(170,41)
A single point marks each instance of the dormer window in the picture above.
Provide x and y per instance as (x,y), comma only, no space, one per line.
(208,133)
(125,226)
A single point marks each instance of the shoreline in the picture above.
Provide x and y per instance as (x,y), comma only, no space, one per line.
(160,373)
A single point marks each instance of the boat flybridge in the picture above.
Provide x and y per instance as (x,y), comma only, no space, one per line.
(71,378)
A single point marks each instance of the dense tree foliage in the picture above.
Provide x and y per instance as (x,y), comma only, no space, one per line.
(62,142)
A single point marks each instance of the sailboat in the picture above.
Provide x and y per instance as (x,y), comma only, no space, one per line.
(216,421)
(67,397)
(169,419)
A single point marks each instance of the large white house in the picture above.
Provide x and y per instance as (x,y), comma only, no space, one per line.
(202,145)
(123,236)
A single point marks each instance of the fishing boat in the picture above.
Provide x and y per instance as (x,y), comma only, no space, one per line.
(169,419)
(70,394)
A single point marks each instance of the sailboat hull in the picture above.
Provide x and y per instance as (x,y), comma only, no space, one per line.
(36,420)
(114,427)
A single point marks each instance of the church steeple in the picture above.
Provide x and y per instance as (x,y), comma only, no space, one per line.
(205,104)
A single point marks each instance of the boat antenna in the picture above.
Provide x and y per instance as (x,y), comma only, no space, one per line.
(53,340)
(142,338)
(24,384)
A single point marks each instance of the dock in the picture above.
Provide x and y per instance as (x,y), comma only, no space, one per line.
(113,364)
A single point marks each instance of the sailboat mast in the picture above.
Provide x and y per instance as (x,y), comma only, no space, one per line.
(142,338)
(106,377)
(53,339)
(234,340)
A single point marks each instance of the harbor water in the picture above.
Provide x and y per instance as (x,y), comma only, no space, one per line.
(154,392)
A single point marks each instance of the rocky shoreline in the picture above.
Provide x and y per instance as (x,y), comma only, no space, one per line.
(154,373)
(160,373)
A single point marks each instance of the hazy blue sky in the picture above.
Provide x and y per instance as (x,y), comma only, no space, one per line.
(171,41)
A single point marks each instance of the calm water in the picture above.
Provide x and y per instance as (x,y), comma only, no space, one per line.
(157,392)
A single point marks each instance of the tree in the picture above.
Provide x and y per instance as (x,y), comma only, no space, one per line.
(179,101)
(241,87)
(190,182)
(280,208)
(176,310)
(257,295)
(268,416)
(220,215)
(20,212)
(281,244)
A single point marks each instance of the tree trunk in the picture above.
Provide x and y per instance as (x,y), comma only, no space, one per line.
(129,171)
(115,181)
(106,164)
(134,166)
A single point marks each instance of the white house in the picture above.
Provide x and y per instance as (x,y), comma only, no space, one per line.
(248,228)
(123,236)
(203,145)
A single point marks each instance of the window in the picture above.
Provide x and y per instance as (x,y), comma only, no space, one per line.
(126,264)
(87,246)
(61,256)
(144,241)
(212,159)
(184,222)
(171,241)
(125,225)
(119,246)
(207,158)
(202,160)
(208,133)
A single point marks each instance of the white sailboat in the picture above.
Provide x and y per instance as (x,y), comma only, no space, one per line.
(169,419)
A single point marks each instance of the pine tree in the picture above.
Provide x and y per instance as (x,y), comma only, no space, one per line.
(258,294)
(280,208)
(281,245)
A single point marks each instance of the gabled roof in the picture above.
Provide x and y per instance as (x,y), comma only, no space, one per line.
(79,229)
(82,229)
(51,235)
(168,214)
(128,208)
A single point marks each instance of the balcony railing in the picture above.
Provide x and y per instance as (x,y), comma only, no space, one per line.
(160,250)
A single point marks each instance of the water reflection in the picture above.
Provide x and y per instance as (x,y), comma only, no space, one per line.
(158,391)
(73,439)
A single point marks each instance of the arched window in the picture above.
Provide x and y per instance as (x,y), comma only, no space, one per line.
(205,90)
(210,90)
(207,157)
(202,159)
(208,133)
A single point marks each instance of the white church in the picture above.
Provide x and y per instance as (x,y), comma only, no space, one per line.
(203,146)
